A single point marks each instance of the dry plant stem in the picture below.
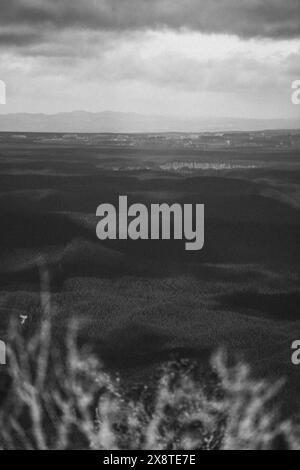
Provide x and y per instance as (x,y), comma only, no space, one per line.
(67,400)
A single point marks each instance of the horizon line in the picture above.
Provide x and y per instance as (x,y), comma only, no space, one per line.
(165,116)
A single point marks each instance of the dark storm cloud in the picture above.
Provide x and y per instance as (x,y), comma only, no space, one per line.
(246,18)
(19,39)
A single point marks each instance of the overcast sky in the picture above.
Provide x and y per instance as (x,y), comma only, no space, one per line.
(234,58)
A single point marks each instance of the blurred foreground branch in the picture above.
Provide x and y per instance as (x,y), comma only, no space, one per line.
(61,397)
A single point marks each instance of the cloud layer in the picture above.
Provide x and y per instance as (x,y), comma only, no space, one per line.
(235,57)
(245,18)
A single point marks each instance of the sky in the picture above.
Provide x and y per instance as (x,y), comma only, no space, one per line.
(192,58)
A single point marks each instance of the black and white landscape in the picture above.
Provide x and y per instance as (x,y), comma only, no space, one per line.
(200,112)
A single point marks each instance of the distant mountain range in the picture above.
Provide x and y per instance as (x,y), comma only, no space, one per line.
(108,121)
